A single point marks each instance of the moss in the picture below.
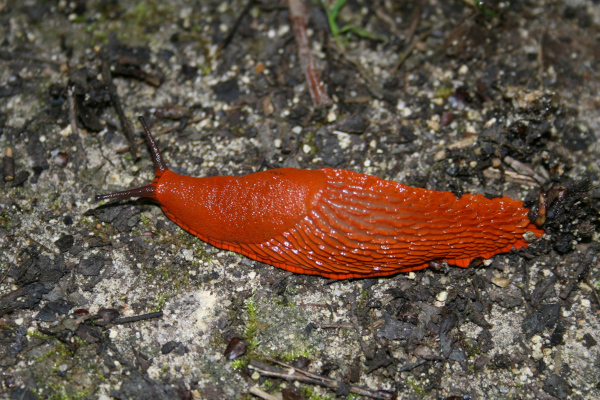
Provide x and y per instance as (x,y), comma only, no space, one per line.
(415,385)
(147,222)
(444,92)
(470,349)
(52,384)
(174,272)
(251,328)
(38,335)
(311,394)
(57,393)
(6,220)
(240,363)
(160,302)
(149,12)
(87,222)
(58,351)
(294,353)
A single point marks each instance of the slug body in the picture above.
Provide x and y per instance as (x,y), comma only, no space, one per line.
(336,223)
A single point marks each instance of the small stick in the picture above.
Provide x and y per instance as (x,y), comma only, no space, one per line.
(509,176)
(165,131)
(587,280)
(114,98)
(73,121)
(135,318)
(72,110)
(36,242)
(408,51)
(9,303)
(300,375)
(414,23)
(262,394)
(299,19)
(524,169)
(8,164)
(236,25)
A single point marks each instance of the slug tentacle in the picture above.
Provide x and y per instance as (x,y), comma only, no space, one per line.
(160,167)
(146,191)
(159,164)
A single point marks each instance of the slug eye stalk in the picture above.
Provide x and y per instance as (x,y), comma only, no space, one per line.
(160,167)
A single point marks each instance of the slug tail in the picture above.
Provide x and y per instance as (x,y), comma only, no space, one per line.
(160,167)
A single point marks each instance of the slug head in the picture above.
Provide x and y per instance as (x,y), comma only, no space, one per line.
(160,167)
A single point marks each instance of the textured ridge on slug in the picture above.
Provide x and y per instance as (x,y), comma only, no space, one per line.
(365,226)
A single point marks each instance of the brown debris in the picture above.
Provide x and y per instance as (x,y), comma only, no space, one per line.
(126,124)
(300,375)
(299,19)
(8,164)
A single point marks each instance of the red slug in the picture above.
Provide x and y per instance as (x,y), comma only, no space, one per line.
(333,222)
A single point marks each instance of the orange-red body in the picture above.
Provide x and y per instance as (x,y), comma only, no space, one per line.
(341,224)
(337,223)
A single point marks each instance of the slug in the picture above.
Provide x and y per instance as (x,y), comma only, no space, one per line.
(333,222)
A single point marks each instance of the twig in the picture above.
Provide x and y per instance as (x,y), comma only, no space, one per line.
(164,131)
(587,280)
(414,23)
(73,122)
(558,359)
(6,274)
(10,55)
(299,19)
(8,302)
(100,147)
(126,149)
(236,25)
(300,375)
(135,318)
(408,51)
(48,250)
(72,110)
(509,176)
(174,128)
(8,164)
(524,169)
(126,125)
(262,394)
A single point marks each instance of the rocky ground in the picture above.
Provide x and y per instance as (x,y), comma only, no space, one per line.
(113,300)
